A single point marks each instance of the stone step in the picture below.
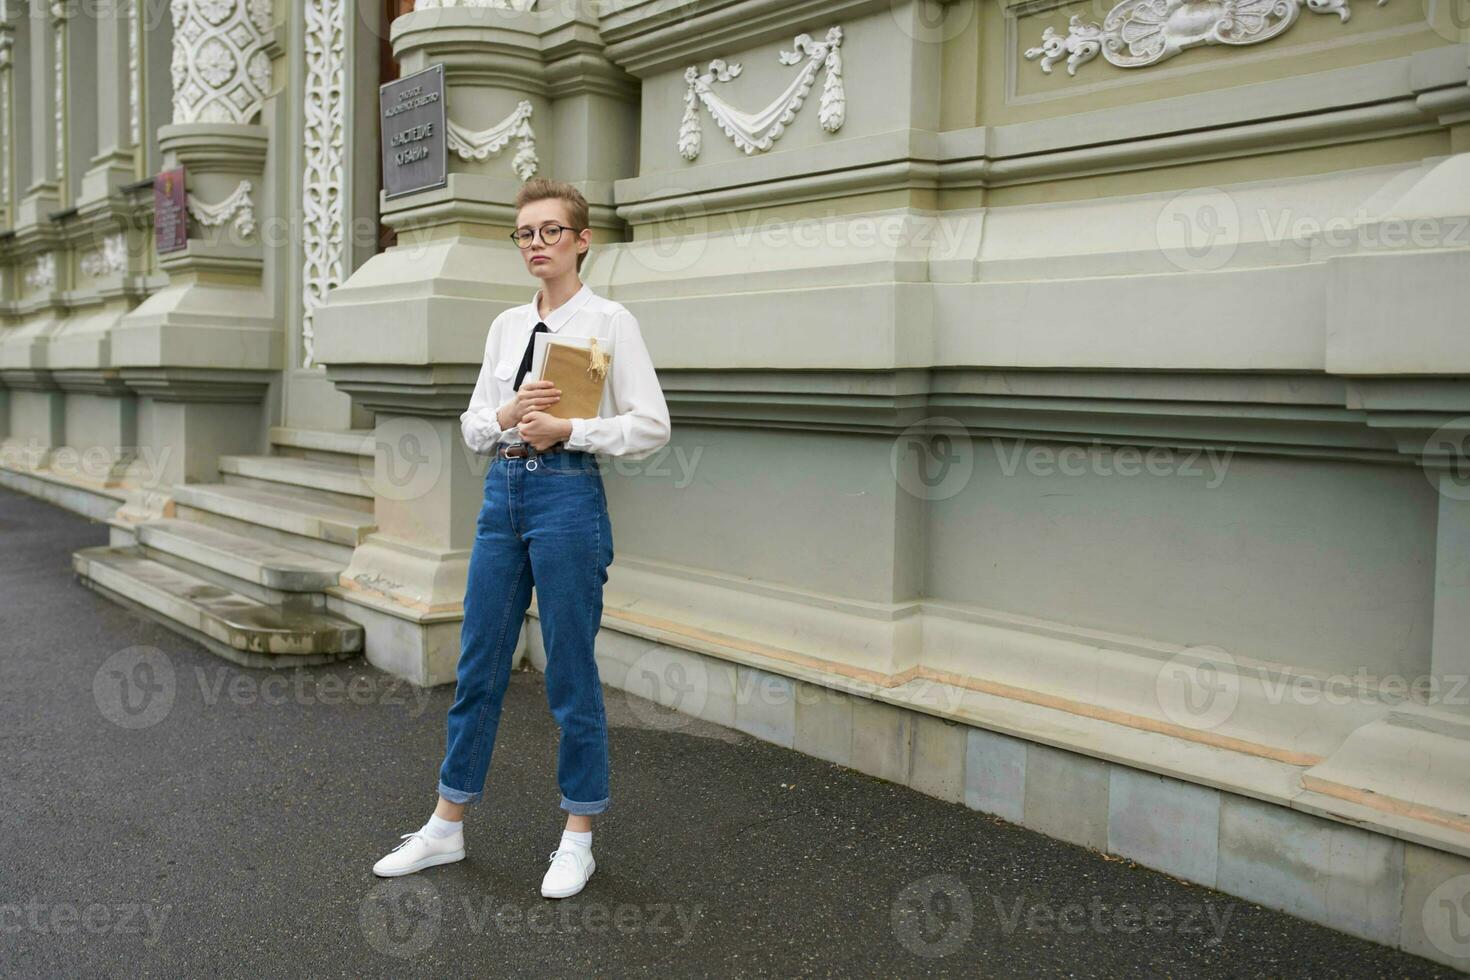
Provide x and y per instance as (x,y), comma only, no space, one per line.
(242,557)
(344,483)
(236,627)
(280,511)
(343,442)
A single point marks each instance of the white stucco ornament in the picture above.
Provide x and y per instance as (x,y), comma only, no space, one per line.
(324,156)
(490,4)
(758,131)
(42,272)
(484,143)
(220,70)
(108,259)
(1137,33)
(239,207)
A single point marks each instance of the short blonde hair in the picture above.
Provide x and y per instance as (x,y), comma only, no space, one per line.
(543,188)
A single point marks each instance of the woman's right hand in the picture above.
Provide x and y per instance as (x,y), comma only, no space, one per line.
(533,396)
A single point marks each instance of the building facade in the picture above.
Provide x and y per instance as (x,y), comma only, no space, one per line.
(1071,400)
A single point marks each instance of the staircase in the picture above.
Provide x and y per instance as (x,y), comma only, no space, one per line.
(240,565)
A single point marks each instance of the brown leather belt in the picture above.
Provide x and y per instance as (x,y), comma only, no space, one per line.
(520,450)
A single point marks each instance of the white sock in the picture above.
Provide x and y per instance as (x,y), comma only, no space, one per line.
(439,827)
(582,838)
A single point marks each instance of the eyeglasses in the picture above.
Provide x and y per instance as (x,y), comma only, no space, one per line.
(550,234)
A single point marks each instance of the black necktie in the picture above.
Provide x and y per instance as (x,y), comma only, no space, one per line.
(526,360)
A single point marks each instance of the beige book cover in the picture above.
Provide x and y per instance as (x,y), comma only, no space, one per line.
(581,374)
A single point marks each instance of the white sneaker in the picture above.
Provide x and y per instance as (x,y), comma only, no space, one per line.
(571,866)
(419,851)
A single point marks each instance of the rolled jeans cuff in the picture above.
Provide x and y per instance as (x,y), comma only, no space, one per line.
(572,806)
(458,795)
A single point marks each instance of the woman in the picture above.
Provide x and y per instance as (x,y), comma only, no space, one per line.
(544,523)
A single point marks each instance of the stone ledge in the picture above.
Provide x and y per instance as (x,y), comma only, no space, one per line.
(1243,836)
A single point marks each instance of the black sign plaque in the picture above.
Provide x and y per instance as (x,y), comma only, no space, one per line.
(414,147)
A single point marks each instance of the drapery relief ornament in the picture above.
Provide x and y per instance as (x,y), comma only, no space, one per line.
(1137,33)
(322,202)
(108,259)
(493,4)
(220,70)
(41,274)
(760,130)
(238,207)
(484,143)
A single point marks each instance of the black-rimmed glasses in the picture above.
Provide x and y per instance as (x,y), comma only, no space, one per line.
(550,234)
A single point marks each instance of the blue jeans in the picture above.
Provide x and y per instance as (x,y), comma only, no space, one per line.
(544,523)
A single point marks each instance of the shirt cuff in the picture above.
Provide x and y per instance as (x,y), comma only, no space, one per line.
(578,438)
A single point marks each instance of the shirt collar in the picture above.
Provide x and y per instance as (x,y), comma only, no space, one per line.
(562,313)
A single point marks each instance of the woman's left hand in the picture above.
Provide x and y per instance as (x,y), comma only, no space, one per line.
(543,431)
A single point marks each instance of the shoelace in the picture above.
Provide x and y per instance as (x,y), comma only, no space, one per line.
(566,854)
(416,833)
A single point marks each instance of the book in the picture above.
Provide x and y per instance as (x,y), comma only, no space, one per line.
(567,363)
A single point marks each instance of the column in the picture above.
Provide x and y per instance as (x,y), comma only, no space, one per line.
(201,352)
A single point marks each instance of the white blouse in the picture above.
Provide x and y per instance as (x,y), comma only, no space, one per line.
(633,418)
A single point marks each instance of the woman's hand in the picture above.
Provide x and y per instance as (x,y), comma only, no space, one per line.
(543,431)
(533,396)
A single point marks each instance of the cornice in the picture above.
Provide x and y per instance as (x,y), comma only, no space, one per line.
(650,36)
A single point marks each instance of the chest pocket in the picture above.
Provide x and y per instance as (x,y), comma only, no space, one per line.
(506,371)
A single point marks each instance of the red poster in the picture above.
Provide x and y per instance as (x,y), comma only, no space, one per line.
(170,224)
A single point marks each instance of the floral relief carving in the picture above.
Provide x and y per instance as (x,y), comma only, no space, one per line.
(1138,33)
(220,70)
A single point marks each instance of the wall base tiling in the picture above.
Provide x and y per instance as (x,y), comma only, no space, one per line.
(1352,879)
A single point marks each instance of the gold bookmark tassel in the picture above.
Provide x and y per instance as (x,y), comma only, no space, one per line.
(597,368)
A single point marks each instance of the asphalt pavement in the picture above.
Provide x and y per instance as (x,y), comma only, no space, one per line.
(165,813)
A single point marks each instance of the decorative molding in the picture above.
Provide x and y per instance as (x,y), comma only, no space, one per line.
(59,14)
(220,70)
(7,121)
(478,145)
(1139,33)
(133,24)
(323,198)
(760,130)
(491,4)
(239,207)
(108,259)
(41,274)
